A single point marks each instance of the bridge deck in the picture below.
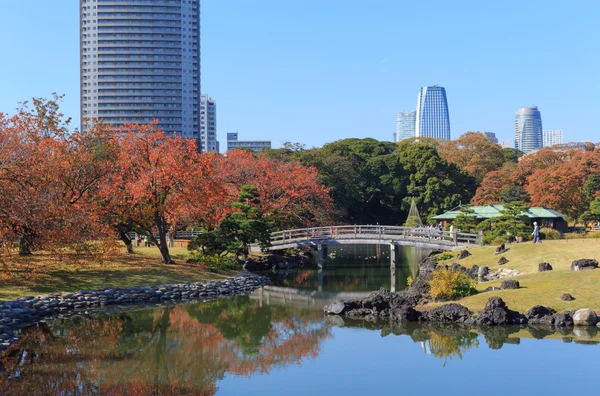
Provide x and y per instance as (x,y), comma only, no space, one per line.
(373,234)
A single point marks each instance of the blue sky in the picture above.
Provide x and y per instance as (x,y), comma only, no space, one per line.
(314,71)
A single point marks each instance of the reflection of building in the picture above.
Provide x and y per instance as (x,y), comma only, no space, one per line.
(257,146)
(551,137)
(528,130)
(544,217)
(432,116)
(208,124)
(140,62)
(405,125)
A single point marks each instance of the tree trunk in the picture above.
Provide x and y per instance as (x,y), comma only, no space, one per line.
(125,238)
(161,225)
(26,244)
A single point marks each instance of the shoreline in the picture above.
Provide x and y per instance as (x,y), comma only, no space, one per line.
(18,314)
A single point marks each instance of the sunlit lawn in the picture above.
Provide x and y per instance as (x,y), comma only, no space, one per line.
(540,288)
(43,273)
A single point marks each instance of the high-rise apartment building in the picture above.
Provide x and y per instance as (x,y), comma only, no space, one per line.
(257,146)
(432,117)
(208,124)
(140,62)
(507,144)
(552,137)
(528,130)
(405,125)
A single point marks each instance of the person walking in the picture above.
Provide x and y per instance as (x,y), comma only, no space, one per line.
(536,233)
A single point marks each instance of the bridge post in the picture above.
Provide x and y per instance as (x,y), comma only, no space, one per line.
(393,251)
(393,280)
(454,237)
(320,285)
(322,249)
(480,237)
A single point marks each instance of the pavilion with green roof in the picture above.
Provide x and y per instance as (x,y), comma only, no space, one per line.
(543,216)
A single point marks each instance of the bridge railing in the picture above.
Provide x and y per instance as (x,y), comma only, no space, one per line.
(376,232)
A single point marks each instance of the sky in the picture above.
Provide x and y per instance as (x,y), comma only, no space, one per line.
(314,71)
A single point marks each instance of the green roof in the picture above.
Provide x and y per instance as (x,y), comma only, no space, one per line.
(489,211)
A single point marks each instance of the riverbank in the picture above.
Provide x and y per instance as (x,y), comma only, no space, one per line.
(537,288)
(18,314)
(43,273)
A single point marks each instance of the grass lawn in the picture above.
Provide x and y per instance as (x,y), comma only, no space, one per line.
(540,288)
(43,273)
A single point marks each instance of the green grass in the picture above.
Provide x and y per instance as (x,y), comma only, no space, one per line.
(43,273)
(540,288)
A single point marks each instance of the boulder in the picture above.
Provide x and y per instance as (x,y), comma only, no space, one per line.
(544,267)
(492,288)
(496,313)
(252,265)
(510,284)
(449,313)
(463,254)
(567,297)
(405,314)
(540,315)
(585,317)
(501,249)
(427,266)
(335,308)
(503,260)
(564,319)
(584,264)
(483,271)
(420,287)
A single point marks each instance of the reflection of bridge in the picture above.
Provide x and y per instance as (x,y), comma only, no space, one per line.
(310,299)
(320,237)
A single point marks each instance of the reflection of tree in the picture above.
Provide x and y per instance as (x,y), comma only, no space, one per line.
(179,350)
(448,346)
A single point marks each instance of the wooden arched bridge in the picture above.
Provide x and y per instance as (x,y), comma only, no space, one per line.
(394,236)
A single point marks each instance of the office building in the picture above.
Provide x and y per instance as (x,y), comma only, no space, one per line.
(208,124)
(257,146)
(140,62)
(552,137)
(405,125)
(528,130)
(491,136)
(507,144)
(432,117)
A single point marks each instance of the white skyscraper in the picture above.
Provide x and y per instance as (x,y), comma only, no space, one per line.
(528,130)
(405,125)
(208,124)
(552,137)
(140,62)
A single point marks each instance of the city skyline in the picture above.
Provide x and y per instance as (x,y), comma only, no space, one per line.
(262,79)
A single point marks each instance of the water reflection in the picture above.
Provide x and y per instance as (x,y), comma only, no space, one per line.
(177,350)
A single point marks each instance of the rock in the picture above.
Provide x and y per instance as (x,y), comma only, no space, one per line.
(420,287)
(544,267)
(584,264)
(585,317)
(567,297)
(427,266)
(540,315)
(463,254)
(502,261)
(449,313)
(564,319)
(335,308)
(405,314)
(510,284)
(496,313)
(252,265)
(501,249)
(491,288)
(483,271)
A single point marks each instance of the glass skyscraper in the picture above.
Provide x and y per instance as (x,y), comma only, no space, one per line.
(405,125)
(528,130)
(432,118)
(140,61)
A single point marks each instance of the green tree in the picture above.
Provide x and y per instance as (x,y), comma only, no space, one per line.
(466,221)
(511,154)
(512,224)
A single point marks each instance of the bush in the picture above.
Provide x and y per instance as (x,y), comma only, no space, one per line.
(445,256)
(215,262)
(447,285)
(550,234)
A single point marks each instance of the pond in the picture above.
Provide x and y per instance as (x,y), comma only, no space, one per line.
(273,343)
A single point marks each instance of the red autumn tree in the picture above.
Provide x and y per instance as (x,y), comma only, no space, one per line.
(489,192)
(157,180)
(290,193)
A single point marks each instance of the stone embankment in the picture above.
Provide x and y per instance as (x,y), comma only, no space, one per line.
(15,315)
